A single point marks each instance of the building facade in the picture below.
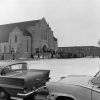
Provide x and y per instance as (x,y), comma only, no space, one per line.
(19,43)
(24,38)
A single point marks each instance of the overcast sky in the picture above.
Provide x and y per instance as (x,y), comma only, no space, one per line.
(74,22)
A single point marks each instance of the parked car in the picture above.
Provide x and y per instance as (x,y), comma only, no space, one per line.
(18,82)
(75,87)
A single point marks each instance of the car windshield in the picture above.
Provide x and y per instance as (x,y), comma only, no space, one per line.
(13,69)
(96,79)
(98,74)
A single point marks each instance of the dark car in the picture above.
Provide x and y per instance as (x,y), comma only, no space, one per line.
(19,82)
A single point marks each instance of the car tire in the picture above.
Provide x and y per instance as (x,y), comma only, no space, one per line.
(4,95)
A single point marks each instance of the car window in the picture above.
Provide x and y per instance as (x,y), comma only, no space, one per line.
(96,79)
(6,70)
(98,74)
(14,69)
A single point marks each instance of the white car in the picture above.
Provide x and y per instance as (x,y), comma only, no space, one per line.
(75,87)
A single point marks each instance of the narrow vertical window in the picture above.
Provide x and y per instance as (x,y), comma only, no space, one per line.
(4,49)
(41,34)
(15,38)
(46,34)
(0,48)
(10,45)
(27,45)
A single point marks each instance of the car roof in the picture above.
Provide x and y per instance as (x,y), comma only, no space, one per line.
(7,63)
(3,64)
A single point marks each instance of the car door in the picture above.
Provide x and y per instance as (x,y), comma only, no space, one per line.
(96,93)
(96,87)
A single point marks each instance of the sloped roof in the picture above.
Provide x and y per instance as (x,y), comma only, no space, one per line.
(55,38)
(7,28)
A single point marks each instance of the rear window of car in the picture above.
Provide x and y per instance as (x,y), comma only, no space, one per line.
(14,68)
(18,66)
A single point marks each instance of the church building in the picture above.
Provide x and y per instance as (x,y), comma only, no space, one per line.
(24,38)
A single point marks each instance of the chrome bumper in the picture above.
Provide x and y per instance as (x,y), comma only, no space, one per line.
(29,93)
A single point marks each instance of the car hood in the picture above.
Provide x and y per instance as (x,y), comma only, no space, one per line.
(81,80)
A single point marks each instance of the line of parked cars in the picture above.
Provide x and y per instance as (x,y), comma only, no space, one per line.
(20,83)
